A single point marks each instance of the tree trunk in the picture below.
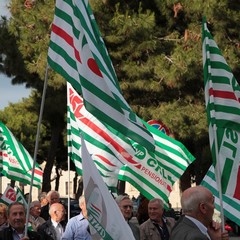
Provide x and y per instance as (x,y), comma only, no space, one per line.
(121,187)
(56,131)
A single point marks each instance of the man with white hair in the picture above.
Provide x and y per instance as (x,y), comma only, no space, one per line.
(126,206)
(34,216)
(197,221)
(78,226)
(157,226)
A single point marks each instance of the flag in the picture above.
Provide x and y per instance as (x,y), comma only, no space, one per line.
(156,172)
(152,173)
(222,98)
(103,212)
(10,195)
(231,206)
(15,161)
(77,52)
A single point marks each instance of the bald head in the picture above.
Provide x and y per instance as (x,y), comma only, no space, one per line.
(192,197)
(198,202)
(57,212)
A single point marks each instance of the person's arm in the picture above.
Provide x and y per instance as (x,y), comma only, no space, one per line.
(69,231)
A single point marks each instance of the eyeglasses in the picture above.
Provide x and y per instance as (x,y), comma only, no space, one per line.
(127,206)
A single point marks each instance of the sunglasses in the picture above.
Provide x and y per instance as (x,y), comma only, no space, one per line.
(127,206)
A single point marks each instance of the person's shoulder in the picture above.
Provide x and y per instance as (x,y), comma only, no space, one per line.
(34,235)
(45,225)
(146,223)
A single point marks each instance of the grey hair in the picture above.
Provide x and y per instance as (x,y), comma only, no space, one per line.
(191,202)
(120,198)
(81,200)
(42,195)
(34,203)
(51,192)
(158,200)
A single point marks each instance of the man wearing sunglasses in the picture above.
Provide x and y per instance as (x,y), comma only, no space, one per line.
(126,206)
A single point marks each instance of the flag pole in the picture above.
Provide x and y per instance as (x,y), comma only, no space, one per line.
(218,177)
(36,146)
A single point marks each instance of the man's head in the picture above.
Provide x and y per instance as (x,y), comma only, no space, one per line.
(155,209)
(57,212)
(3,213)
(42,197)
(35,209)
(83,206)
(17,216)
(198,202)
(126,206)
(53,197)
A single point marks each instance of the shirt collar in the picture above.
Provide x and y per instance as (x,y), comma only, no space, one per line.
(54,223)
(201,227)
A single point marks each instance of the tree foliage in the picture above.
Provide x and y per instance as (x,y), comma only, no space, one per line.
(155,47)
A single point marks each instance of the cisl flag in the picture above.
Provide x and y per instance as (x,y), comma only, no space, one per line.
(104,215)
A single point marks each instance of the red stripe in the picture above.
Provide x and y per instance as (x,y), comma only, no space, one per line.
(237,189)
(105,160)
(64,35)
(77,104)
(38,172)
(96,208)
(223,94)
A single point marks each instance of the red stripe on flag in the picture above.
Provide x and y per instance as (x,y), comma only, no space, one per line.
(105,160)
(237,189)
(223,94)
(64,35)
(77,104)
(38,172)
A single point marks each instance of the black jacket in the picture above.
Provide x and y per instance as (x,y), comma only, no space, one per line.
(47,230)
(7,234)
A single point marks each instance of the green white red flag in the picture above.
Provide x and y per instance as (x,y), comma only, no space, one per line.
(10,195)
(152,173)
(15,161)
(231,206)
(104,215)
(222,97)
(78,53)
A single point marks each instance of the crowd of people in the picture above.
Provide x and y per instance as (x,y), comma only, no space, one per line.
(48,219)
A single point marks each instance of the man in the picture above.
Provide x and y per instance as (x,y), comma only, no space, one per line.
(198,207)
(34,216)
(157,226)
(78,226)
(126,206)
(3,216)
(54,227)
(52,197)
(42,198)
(17,218)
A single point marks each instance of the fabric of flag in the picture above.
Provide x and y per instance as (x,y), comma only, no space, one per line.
(78,53)
(10,195)
(152,173)
(222,97)
(15,161)
(231,206)
(104,215)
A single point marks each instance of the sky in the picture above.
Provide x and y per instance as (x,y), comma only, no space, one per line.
(8,92)
(11,93)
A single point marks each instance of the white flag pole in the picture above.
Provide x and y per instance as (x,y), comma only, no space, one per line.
(36,146)
(218,177)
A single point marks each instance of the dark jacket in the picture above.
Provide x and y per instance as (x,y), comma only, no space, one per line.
(187,230)
(6,234)
(47,230)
